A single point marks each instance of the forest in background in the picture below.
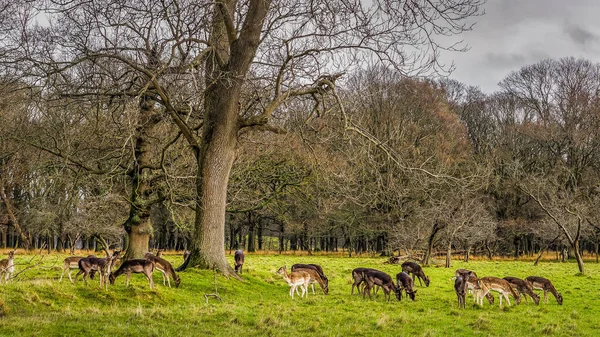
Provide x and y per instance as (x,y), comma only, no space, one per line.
(369,160)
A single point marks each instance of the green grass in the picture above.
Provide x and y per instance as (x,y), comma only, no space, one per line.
(35,304)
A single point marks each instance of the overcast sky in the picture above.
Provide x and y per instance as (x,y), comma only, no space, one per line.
(514,33)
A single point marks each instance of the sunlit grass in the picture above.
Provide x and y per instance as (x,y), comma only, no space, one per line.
(37,304)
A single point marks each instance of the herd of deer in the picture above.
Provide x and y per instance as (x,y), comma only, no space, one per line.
(90,265)
(365,279)
(513,286)
(303,275)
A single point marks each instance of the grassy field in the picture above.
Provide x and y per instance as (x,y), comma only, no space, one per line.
(36,304)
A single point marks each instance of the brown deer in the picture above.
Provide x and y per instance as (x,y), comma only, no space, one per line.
(239,261)
(7,266)
(376,277)
(470,283)
(70,263)
(460,287)
(295,279)
(358,274)
(137,266)
(91,264)
(406,283)
(159,252)
(540,283)
(522,287)
(417,271)
(164,267)
(489,283)
(315,277)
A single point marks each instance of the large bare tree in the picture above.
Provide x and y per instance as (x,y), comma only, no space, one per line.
(219,69)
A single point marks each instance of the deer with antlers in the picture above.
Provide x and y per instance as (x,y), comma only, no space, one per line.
(7,266)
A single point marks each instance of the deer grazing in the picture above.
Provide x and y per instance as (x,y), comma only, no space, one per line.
(7,266)
(544,284)
(460,287)
(70,263)
(417,271)
(489,283)
(239,261)
(315,276)
(137,266)
(295,279)
(358,274)
(524,288)
(405,282)
(376,277)
(470,279)
(164,267)
(89,265)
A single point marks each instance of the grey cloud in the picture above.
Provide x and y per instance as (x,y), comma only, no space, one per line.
(504,60)
(580,36)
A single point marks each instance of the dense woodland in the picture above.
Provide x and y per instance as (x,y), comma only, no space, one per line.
(99,120)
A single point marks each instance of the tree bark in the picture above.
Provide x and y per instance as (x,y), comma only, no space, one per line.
(449,254)
(436,228)
(138,226)
(578,257)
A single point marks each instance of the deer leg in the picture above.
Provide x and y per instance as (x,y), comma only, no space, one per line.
(545,295)
(313,288)
(149,277)
(506,298)
(128,275)
(419,277)
(61,275)
(76,276)
(292,289)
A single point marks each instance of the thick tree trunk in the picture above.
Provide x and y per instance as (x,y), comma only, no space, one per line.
(214,166)
(138,227)
(138,238)
(226,70)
